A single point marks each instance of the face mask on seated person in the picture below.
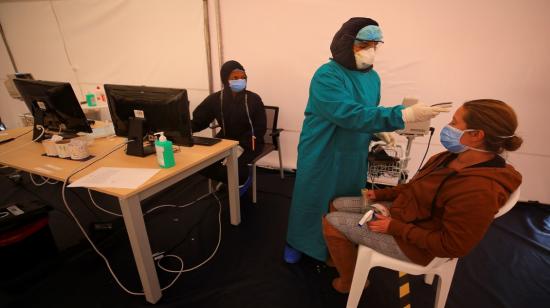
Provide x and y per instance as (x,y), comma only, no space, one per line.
(237,85)
(450,139)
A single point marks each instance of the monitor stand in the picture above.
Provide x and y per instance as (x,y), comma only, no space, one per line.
(135,145)
(39,121)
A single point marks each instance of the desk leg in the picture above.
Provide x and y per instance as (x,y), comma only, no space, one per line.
(233,187)
(135,226)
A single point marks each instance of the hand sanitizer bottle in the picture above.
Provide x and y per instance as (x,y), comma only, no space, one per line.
(165,153)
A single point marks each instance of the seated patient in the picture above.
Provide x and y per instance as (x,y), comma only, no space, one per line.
(241,116)
(446,208)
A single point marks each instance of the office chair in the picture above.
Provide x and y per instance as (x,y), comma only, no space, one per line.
(367,258)
(271,140)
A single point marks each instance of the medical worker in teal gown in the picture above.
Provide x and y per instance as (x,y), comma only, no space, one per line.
(341,116)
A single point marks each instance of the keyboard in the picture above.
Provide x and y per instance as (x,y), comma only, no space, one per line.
(205,140)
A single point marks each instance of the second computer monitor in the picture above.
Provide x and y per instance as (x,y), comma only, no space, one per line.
(152,109)
(54,106)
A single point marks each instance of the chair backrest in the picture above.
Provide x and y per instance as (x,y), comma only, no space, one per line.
(512,200)
(514,197)
(272,115)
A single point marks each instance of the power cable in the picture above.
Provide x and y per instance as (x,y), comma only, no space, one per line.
(427,148)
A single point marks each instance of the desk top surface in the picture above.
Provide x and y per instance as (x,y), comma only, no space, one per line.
(26,155)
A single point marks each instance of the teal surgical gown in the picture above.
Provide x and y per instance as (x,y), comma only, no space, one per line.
(340,118)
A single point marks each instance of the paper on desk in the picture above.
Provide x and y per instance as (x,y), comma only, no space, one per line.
(115,177)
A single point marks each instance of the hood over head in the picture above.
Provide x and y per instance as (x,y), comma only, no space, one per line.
(342,43)
(226,69)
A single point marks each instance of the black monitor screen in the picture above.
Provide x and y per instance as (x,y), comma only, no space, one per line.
(162,109)
(53,105)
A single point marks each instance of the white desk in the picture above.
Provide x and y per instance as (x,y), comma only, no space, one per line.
(188,161)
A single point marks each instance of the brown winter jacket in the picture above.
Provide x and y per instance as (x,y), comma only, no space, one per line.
(456,220)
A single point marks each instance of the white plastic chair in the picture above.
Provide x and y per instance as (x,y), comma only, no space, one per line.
(367,258)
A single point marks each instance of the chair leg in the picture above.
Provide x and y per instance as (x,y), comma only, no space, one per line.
(210,186)
(280,159)
(360,275)
(444,285)
(254,183)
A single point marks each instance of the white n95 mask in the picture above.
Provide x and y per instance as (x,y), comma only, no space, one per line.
(364,58)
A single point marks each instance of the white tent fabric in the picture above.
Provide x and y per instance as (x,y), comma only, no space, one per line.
(94,42)
(434,50)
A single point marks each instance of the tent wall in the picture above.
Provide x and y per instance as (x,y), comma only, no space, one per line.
(434,50)
(93,42)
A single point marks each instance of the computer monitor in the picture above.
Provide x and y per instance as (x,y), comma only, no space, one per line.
(54,106)
(139,111)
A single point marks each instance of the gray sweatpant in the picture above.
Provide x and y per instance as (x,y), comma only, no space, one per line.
(349,210)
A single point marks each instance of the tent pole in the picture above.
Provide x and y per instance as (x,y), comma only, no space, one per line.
(8,48)
(208,46)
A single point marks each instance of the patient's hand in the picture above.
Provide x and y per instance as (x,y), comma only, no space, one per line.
(381,224)
(368,194)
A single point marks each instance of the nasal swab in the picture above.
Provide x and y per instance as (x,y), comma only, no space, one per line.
(366,217)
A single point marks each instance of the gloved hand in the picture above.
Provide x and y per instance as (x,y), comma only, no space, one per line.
(420,112)
(388,138)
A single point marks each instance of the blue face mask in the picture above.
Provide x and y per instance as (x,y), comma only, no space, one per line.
(237,85)
(450,139)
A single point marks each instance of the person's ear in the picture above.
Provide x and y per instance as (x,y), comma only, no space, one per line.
(477,135)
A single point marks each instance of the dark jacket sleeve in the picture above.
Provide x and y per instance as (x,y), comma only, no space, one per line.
(204,114)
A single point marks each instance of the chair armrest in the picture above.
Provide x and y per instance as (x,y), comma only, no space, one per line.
(268,148)
(276,132)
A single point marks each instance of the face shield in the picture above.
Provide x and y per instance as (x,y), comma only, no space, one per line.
(370,33)
(360,44)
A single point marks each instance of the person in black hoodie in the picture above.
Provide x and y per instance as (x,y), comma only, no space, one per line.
(241,116)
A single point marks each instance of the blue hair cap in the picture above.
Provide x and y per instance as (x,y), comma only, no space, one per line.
(370,33)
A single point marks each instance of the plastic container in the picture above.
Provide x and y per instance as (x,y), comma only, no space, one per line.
(165,153)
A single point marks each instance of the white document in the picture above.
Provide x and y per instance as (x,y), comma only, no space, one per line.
(116,177)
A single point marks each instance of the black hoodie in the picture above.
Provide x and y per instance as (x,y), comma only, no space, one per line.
(237,126)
